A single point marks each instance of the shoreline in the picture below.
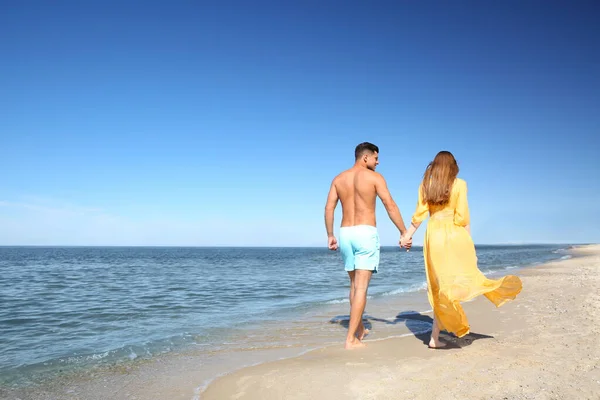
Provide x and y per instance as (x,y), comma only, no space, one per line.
(501,359)
(180,376)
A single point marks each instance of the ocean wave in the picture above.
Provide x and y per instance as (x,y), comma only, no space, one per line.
(341,301)
(412,288)
(337,301)
(84,358)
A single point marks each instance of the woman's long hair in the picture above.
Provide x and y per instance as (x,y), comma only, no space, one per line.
(438,179)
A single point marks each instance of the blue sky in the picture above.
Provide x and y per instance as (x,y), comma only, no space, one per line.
(182,123)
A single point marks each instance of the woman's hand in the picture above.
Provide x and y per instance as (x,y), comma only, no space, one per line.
(406,241)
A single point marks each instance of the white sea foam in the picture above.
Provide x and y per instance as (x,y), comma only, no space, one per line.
(337,301)
(412,288)
(342,301)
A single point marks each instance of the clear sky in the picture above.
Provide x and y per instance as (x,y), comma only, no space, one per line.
(183,123)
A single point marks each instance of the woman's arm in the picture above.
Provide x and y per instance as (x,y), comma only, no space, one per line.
(407,237)
(418,217)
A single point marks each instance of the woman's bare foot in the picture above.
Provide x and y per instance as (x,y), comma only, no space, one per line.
(354,344)
(436,344)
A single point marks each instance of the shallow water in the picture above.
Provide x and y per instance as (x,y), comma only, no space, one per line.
(71,309)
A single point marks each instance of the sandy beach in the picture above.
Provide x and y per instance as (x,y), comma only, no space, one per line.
(541,346)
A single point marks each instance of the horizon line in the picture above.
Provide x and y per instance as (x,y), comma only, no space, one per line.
(278,246)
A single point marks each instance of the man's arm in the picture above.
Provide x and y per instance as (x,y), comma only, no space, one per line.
(389,203)
(332,200)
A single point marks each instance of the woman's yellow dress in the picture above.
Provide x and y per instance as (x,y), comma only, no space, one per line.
(451,263)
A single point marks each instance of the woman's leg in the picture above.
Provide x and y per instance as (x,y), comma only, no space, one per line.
(435,335)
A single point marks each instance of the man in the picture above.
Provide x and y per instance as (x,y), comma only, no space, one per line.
(357,188)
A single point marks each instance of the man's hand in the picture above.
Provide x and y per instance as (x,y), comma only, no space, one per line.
(406,242)
(332,243)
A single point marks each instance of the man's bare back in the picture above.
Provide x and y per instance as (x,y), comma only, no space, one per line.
(356,189)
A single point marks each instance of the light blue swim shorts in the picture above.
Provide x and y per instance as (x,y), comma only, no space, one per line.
(359,246)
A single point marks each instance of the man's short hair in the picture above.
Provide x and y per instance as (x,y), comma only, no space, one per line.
(363,148)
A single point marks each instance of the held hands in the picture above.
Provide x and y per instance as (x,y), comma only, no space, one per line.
(332,243)
(406,242)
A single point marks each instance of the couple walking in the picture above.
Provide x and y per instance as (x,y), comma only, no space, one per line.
(448,250)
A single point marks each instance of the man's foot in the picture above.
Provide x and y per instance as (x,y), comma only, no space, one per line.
(354,344)
(361,333)
(436,344)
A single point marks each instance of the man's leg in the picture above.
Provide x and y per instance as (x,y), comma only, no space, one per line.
(351,275)
(361,331)
(358,300)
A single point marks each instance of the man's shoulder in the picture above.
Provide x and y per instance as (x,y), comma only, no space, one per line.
(341,175)
(376,175)
(370,175)
(364,173)
(339,178)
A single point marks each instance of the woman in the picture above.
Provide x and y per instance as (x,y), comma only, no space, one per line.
(450,260)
